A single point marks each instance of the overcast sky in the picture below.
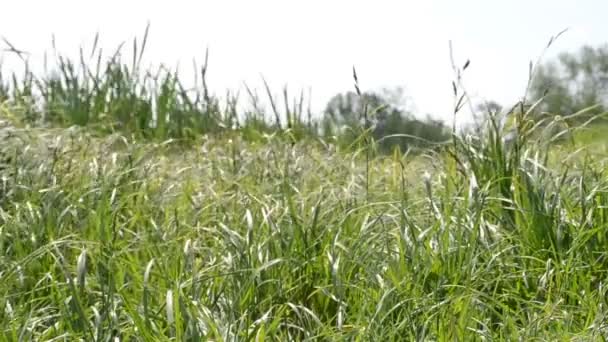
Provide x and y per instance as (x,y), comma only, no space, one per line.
(315,43)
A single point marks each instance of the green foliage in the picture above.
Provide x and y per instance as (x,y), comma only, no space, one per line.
(260,232)
(573,81)
(112,95)
(392,126)
(109,237)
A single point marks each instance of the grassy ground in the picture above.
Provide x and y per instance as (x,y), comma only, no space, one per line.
(248,231)
(227,240)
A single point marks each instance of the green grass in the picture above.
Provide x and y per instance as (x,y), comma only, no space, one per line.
(105,237)
(115,93)
(144,238)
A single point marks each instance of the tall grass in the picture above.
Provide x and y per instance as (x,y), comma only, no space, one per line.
(106,237)
(114,238)
(112,94)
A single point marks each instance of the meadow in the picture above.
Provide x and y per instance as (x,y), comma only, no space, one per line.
(197,224)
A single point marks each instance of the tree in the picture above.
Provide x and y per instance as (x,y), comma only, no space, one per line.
(572,82)
(392,124)
(483,111)
(347,108)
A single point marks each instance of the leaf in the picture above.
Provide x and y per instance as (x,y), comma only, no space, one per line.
(460,103)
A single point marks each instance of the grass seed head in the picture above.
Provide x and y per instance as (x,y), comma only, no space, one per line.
(473,188)
(187,247)
(81,267)
(169,299)
(426,178)
(147,272)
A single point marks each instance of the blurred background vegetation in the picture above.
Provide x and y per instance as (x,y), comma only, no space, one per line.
(114,95)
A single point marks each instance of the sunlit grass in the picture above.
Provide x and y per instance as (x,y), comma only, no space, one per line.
(136,237)
(113,92)
(106,237)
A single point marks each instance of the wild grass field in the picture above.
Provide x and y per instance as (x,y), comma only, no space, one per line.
(204,228)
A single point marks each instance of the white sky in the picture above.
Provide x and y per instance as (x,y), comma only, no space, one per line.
(315,43)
